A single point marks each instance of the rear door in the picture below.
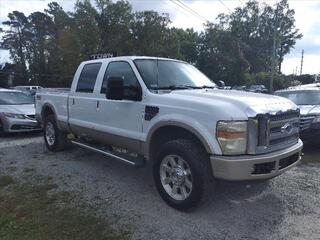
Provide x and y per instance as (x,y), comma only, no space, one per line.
(82,100)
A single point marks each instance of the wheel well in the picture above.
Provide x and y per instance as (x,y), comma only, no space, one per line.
(47,110)
(167,133)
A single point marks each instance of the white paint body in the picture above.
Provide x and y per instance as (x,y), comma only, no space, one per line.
(199,110)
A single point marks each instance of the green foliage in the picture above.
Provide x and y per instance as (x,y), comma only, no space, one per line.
(46,47)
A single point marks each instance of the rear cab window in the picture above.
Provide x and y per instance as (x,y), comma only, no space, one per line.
(88,77)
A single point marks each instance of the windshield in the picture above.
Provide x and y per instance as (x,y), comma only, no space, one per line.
(302,97)
(15,98)
(162,74)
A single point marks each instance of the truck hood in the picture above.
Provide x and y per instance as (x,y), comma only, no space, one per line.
(26,109)
(309,109)
(251,103)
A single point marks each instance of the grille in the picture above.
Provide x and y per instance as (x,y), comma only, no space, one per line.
(305,122)
(277,131)
(264,168)
(285,115)
(24,127)
(285,162)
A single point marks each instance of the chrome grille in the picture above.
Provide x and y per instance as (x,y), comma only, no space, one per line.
(274,132)
(305,122)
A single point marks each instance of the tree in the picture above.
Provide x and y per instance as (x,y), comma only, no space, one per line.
(151,34)
(16,39)
(286,33)
(64,48)
(258,27)
(221,56)
(114,21)
(188,41)
(87,30)
(37,54)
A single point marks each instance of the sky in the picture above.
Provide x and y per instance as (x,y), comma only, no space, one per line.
(307,20)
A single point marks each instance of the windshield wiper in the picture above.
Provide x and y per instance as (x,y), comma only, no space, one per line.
(175,87)
(206,86)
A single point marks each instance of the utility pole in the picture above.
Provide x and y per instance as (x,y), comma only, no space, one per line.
(273,62)
(301,61)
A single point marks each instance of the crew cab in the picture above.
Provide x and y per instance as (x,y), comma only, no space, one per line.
(167,113)
(307,97)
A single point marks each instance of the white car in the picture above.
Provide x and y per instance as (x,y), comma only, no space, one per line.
(17,112)
(27,88)
(167,113)
(307,97)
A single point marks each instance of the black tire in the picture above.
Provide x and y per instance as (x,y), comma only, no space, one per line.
(198,163)
(2,133)
(59,142)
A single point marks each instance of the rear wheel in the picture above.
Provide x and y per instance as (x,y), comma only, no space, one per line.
(54,138)
(181,173)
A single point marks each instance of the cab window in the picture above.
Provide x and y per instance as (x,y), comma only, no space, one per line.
(119,69)
(88,77)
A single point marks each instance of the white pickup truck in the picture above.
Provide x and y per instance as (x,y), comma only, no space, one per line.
(166,112)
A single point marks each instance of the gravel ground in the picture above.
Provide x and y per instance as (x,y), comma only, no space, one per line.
(286,207)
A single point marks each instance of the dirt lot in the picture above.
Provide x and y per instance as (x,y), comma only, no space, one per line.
(286,207)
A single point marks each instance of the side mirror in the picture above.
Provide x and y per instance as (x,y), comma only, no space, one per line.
(117,91)
(221,84)
(115,88)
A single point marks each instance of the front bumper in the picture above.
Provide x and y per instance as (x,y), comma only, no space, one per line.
(19,125)
(255,167)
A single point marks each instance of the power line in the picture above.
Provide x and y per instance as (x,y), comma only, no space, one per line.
(192,10)
(189,10)
(225,6)
(194,13)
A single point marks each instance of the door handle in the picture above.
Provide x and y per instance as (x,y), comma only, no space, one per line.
(98,104)
(72,101)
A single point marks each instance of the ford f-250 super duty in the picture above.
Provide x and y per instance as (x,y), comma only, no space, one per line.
(166,111)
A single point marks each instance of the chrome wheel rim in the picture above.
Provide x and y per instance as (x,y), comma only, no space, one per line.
(50,135)
(176,177)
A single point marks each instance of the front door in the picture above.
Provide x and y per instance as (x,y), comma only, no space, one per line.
(121,120)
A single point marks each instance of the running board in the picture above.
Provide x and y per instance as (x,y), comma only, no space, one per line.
(132,161)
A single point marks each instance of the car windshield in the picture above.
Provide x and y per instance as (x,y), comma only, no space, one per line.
(168,74)
(302,97)
(15,98)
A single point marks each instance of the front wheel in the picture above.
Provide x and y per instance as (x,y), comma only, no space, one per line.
(54,138)
(181,173)
(2,133)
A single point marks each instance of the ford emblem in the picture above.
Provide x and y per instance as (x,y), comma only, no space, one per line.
(287,128)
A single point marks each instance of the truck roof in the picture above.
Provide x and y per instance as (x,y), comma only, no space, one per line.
(130,58)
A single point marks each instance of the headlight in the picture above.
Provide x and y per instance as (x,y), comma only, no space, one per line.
(232,137)
(316,119)
(14,115)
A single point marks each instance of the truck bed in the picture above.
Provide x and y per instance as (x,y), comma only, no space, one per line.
(57,97)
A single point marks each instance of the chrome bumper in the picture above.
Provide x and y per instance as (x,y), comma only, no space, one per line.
(254,167)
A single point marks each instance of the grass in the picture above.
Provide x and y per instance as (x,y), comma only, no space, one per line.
(5,181)
(31,212)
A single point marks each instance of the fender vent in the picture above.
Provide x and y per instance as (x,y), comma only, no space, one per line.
(150,112)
